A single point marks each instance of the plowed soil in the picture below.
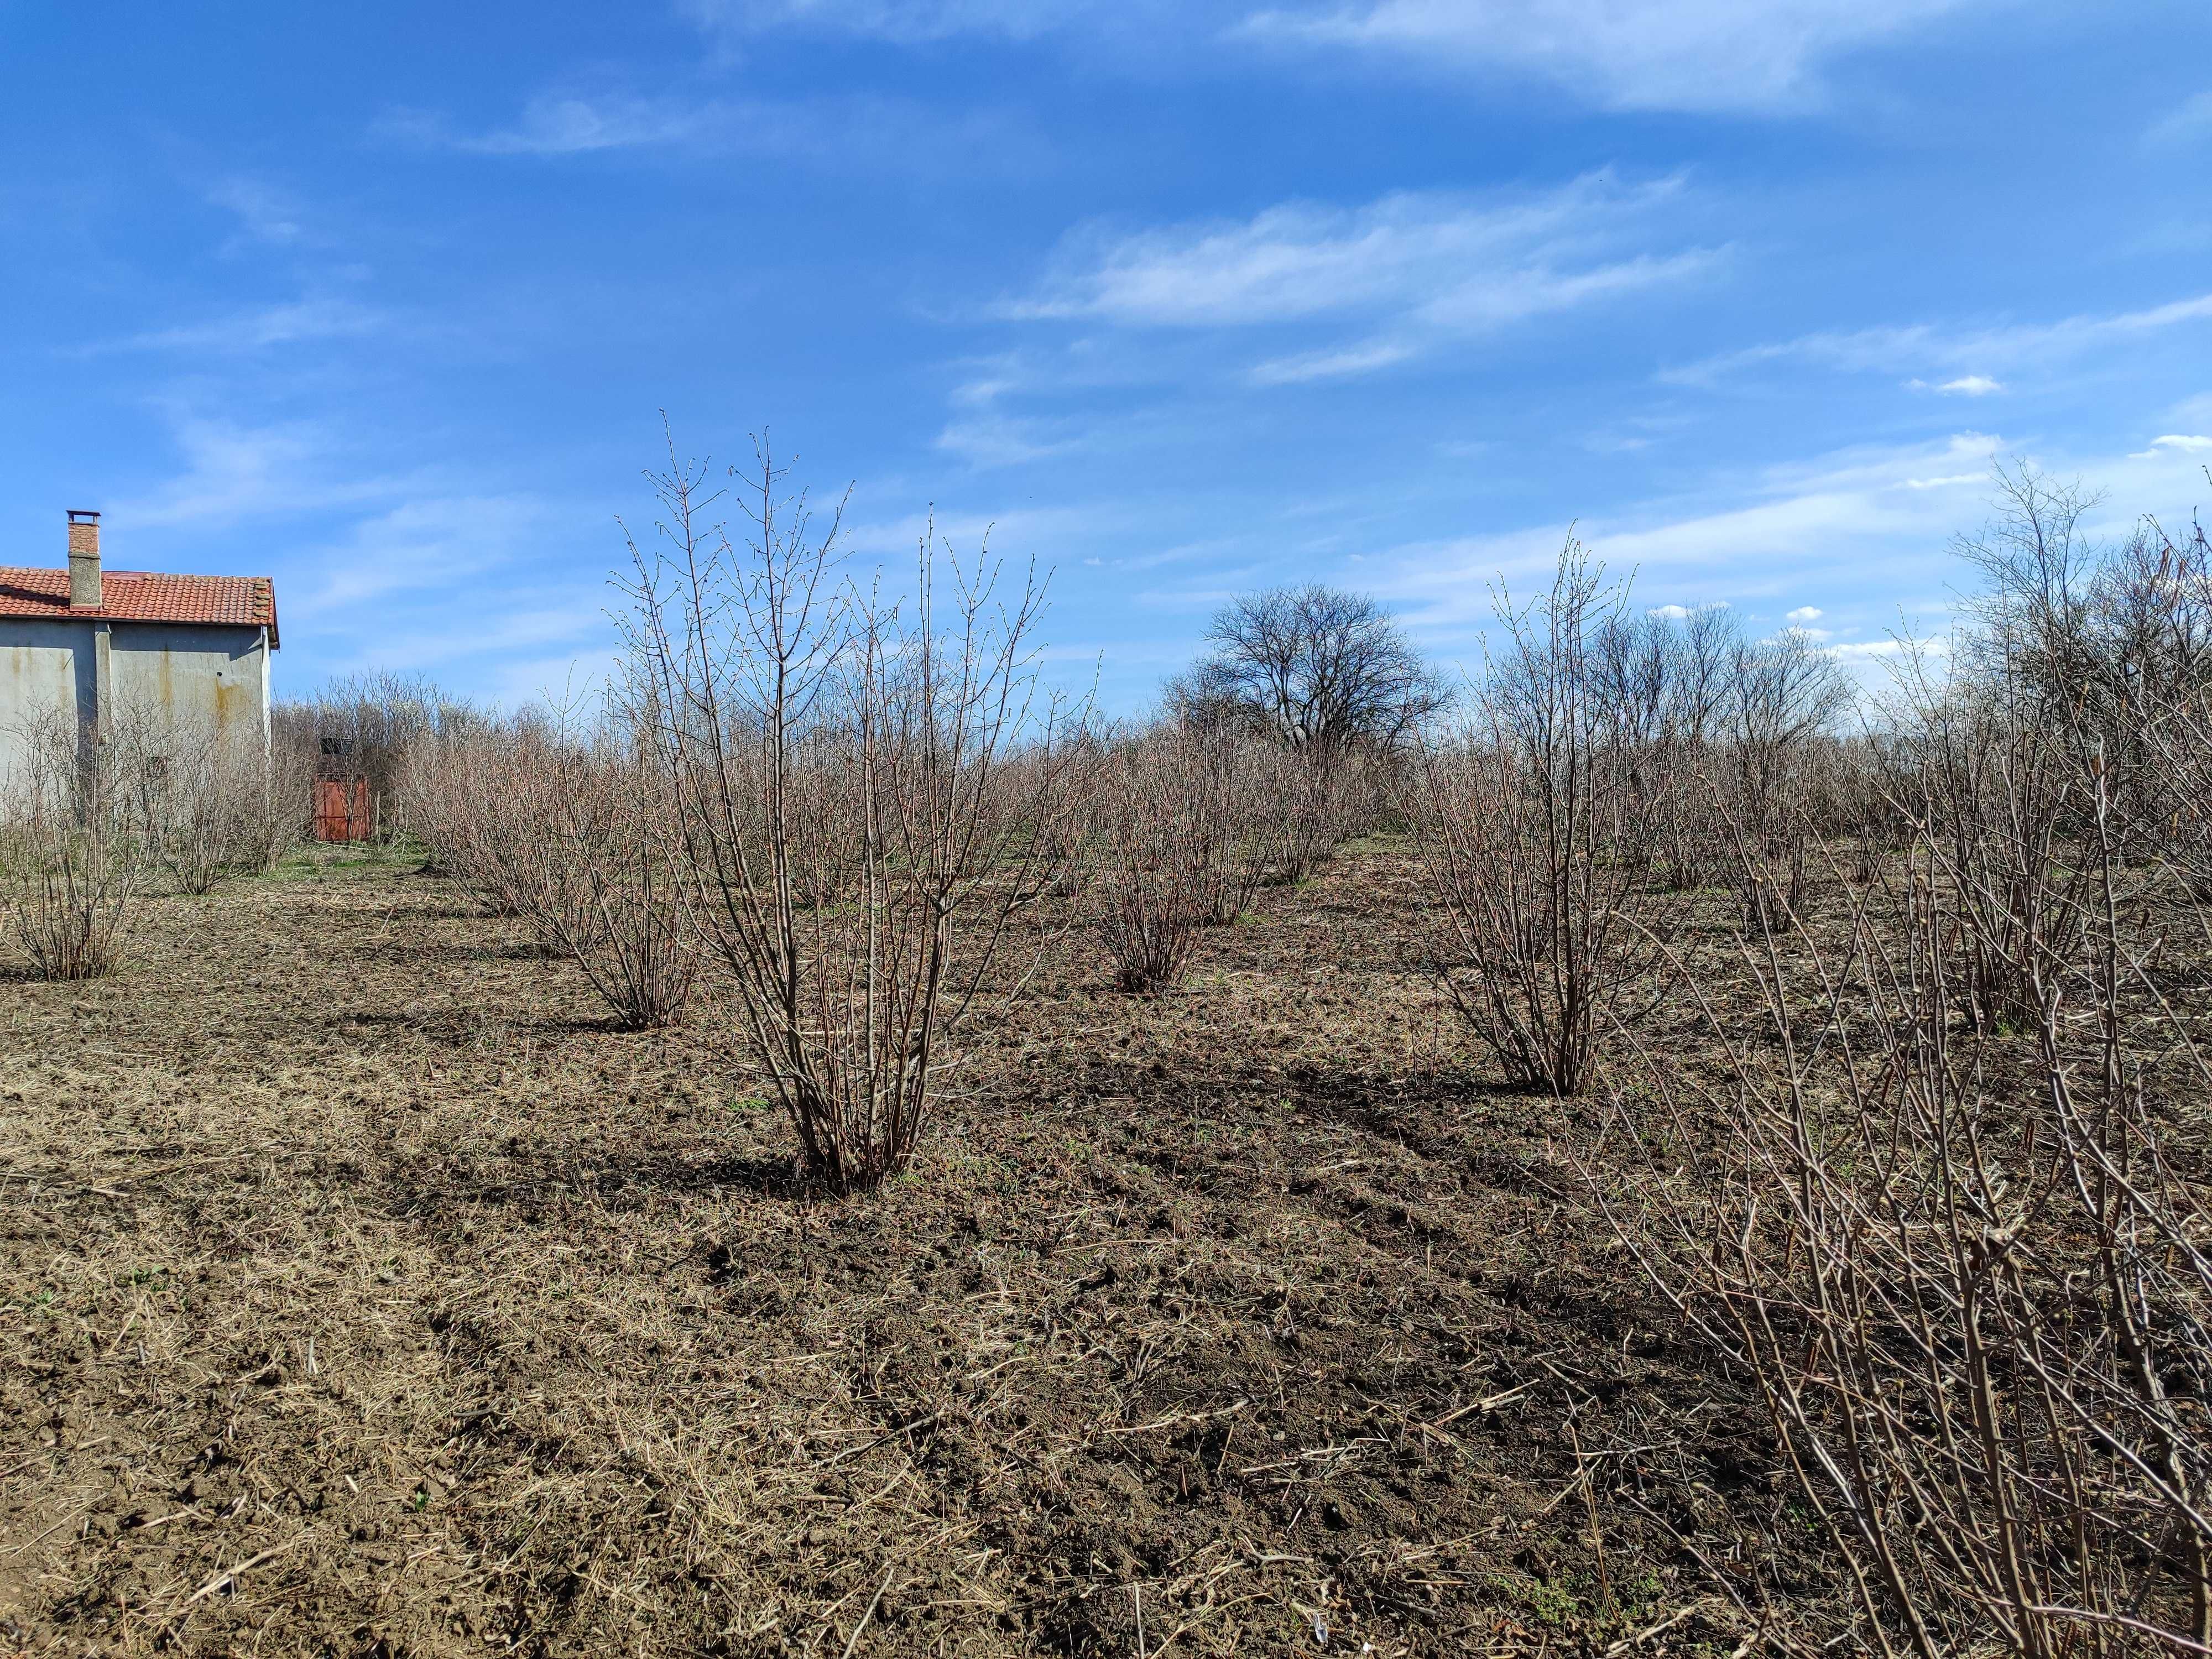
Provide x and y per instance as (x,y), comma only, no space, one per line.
(362,1291)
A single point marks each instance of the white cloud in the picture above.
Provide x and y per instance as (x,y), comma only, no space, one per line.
(1934,645)
(1858,507)
(2178,443)
(1878,518)
(264,326)
(551,124)
(1733,55)
(265,213)
(433,546)
(233,473)
(858,131)
(1427,266)
(904,21)
(998,440)
(1305,259)
(1923,346)
(1972,386)
(1756,55)
(2190,118)
(1333,363)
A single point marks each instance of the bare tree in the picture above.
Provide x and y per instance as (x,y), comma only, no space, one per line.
(1311,666)
(1318,797)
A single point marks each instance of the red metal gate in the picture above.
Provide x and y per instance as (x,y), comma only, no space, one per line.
(342,810)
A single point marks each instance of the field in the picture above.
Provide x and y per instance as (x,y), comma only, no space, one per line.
(365,1294)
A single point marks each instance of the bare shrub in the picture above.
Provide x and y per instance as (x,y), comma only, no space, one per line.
(1169,834)
(569,824)
(1237,815)
(600,877)
(1974,1289)
(1852,788)
(844,787)
(1991,771)
(2115,638)
(1779,699)
(1318,798)
(365,728)
(210,804)
(1539,843)
(459,796)
(2175,729)
(73,856)
(1949,1214)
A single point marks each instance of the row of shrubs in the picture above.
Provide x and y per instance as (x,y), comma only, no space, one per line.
(1941,1192)
(91,821)
(1160,831)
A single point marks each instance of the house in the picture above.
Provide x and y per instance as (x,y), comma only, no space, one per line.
(185,659)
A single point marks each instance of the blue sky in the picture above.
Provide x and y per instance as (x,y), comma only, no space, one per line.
(386,301)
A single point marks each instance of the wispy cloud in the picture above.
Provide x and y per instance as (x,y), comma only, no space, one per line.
(231,473)
(844,131)
(1854,507)
(2175,443)
(989,438)
(430,545)
(907,20)
(406,567)
(1427,267)
(555,124)
(1925,346)
(261,327)
(2191,119)
(1871,519)
(1761,56)
(265,213)
(1705,55)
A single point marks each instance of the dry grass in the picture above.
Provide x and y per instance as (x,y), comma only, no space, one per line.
(363,1290)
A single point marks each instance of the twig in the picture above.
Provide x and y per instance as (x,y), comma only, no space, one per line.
(229,1573)
(869,1611)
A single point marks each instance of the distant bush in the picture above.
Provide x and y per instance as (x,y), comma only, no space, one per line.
(364,729)
(1167,833)
(1540,836)
(211,804)
(572,827)
(74,855)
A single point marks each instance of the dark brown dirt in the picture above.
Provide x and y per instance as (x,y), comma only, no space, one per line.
(365,1294)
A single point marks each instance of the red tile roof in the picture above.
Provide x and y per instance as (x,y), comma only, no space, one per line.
(145,596)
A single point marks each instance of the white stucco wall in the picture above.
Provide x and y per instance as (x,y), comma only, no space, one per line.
(186,680)
(182,684)
(39,663)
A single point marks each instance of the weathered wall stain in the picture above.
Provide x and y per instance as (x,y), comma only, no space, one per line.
(184,682)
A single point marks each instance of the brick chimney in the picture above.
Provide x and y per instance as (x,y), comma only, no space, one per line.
(84,559)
